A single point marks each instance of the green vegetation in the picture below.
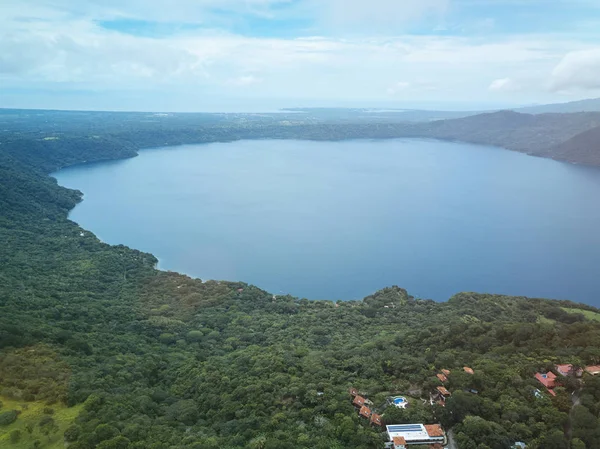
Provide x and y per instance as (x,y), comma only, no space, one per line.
(101,350)
(35,421)
(589,314)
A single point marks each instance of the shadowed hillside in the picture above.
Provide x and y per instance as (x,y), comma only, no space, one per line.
(591,105)
(584,148)
(532,134)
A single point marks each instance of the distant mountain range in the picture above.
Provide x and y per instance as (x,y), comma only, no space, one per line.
(573,137)
(423,115)
(393,115)
(591,105)
(567,136)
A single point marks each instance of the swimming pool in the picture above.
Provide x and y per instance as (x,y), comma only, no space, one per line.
(400,401)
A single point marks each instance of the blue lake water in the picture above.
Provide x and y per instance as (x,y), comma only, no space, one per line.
(339,220)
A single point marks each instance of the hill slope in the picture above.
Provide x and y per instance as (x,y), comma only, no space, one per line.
(527,133)
(109,135)
(583,148)
(590,105)
(159,360)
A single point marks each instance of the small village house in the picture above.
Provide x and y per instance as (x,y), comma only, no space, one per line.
(399,443)
(593,370)
(443,392)
(358,401)
(548,380)
(376,419)
(365,412)
(564,370)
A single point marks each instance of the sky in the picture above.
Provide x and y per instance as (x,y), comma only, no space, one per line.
(261,55)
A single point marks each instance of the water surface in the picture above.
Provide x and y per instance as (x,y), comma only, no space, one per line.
(339,220)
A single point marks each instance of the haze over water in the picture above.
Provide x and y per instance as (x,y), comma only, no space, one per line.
(339,220)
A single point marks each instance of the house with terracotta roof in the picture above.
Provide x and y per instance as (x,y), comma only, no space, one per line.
(468,370)
(442,378)
(358,401)
(414,434)
(594,370)
(434,430)
(353,392)
(376,419)
(564,370)
(443,391)
(399,443)
(365,412)
(548,380)
(446,372)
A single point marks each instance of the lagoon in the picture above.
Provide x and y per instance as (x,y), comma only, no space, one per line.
(339,220)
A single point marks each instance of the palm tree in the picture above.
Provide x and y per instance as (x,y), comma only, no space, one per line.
(259,442)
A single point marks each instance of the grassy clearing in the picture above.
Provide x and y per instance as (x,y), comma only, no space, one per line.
(594,316)
(543,320)
(28,423)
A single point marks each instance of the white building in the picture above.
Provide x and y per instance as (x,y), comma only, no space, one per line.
(411,434)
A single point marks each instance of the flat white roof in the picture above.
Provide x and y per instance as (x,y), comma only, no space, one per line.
(411,433)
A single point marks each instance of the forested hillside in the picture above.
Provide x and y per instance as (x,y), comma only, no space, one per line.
(527,133)
(560,136)
(101,350)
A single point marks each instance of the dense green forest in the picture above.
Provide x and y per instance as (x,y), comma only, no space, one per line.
(101,350)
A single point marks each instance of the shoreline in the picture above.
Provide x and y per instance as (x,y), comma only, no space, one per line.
(159,266)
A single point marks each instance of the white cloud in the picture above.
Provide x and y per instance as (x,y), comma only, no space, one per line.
(398,87)
(245,80)
(59,43)
(377,13)
(504,84)
(578,70)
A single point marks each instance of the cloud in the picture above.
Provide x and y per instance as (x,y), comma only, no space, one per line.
(504,84)
(245,80)
(578,70)
(60,44)
(398,87)
(374,14)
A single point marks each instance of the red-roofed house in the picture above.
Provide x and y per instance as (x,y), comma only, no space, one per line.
(468,370)
(443,391)
(547,380)
(365,412)
(564,370)
(446,372)
(434,430)
(593,370)
(442,378)
(359,401)
(353,391)
(399,443)
(376,419)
